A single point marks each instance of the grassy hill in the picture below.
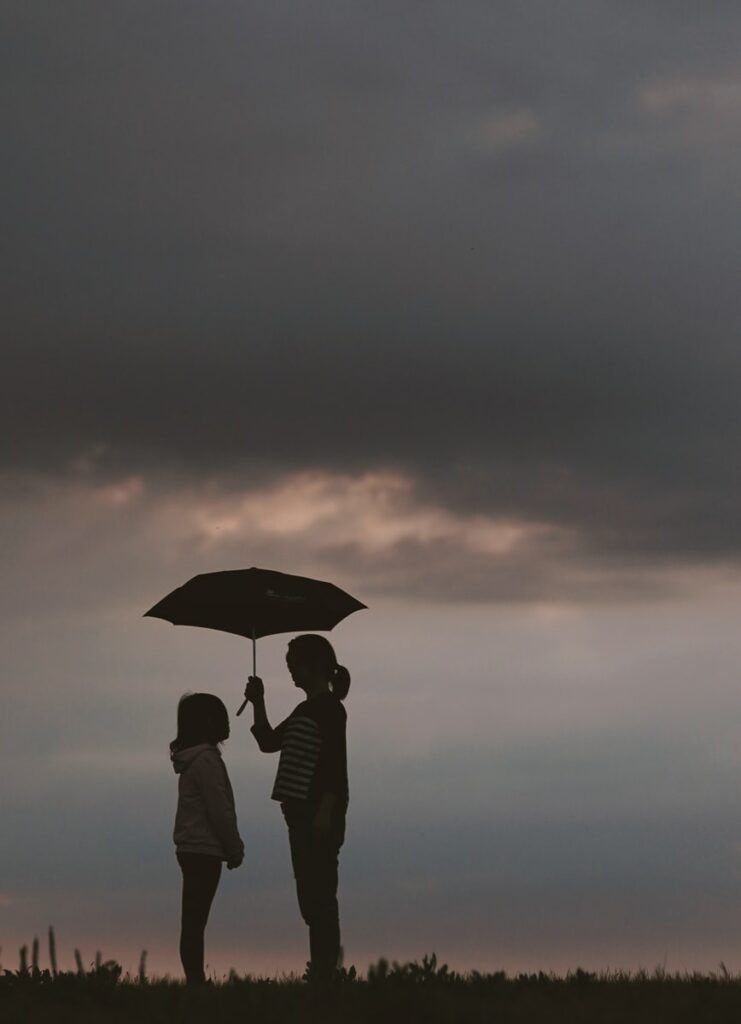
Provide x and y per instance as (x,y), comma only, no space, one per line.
(422,991)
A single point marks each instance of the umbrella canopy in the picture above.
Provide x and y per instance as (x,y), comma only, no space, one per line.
(254,603)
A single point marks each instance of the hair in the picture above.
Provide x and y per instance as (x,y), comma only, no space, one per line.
(202,718)
(317,652)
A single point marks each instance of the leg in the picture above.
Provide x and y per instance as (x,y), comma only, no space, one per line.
(201,874)
(315,863)
(324,927)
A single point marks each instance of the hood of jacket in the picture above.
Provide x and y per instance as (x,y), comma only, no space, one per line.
(181,759)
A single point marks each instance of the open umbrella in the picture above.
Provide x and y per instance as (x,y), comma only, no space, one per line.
(254,603)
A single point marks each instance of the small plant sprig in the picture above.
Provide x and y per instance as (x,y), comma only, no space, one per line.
(142,976)
(102,972)
(416,972)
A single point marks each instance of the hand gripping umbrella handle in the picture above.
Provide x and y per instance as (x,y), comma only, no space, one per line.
(244,703)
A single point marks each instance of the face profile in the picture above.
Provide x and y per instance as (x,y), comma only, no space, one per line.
(299,670)
(293,669)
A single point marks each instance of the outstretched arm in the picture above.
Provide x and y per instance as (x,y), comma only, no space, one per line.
(268,739)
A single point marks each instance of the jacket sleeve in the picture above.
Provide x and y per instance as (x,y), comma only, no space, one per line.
(218,798)
(268,739)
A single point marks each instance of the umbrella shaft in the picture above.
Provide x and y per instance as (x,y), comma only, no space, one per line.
(243,705)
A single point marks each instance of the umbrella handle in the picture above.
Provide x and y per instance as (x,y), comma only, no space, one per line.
(243,705)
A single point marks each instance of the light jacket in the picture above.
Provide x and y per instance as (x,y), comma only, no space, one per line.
(206,821)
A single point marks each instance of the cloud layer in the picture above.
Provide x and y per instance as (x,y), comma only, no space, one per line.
(491,249)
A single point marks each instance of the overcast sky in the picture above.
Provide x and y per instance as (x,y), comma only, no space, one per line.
(438,301)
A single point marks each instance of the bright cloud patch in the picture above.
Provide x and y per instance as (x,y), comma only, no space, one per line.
(79,543)
(696,111)
(682,95)
(375,512)
(372,531)
(508,129)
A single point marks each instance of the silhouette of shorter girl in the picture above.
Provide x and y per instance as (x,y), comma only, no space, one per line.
(206,823)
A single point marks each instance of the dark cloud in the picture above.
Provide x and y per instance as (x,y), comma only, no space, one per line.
(491,245)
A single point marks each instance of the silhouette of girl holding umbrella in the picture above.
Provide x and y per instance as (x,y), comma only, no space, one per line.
(311,786)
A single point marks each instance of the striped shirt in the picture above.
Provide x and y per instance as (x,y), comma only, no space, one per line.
(313,754)
(299,754)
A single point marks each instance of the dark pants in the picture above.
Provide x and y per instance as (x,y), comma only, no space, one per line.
(315,861)
(201,874)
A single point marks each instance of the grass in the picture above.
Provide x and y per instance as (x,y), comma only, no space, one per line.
(412,993)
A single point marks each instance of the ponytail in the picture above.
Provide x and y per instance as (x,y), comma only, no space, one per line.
(340,681)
